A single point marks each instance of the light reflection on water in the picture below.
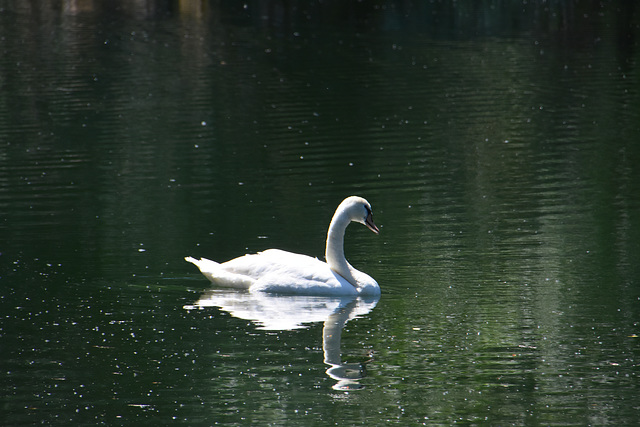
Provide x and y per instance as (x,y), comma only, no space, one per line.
(502,171)
(283,313)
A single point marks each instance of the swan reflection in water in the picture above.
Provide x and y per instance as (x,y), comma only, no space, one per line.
(281,313)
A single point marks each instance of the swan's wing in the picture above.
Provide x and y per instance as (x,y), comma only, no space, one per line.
(278,271)
(275,262)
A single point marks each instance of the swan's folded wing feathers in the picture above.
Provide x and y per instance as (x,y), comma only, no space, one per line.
(277,271)
(291,273)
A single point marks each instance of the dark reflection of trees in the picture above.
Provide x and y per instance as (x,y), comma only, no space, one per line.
(445,18)
(67,66)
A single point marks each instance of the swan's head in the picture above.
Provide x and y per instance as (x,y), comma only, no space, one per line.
(359,210)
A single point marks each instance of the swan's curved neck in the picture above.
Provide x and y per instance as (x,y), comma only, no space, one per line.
(334,252)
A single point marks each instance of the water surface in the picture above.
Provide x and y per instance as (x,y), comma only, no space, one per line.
(497,145)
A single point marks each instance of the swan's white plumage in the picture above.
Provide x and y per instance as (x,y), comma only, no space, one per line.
(278,271)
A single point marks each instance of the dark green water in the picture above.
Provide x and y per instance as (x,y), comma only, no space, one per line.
(499,146)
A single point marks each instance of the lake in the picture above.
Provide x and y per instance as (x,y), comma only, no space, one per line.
(498,144)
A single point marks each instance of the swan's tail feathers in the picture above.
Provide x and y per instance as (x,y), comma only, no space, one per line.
(217,274)
(202,263)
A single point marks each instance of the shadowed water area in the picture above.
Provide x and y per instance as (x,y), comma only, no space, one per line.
(497,142)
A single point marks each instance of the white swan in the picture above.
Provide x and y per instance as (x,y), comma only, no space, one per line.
(279,271)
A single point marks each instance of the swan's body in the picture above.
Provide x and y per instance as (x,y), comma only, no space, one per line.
(279,271)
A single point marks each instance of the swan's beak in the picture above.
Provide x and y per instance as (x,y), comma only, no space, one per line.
(370,225)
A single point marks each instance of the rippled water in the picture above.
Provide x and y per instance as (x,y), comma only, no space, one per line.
(498,147)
